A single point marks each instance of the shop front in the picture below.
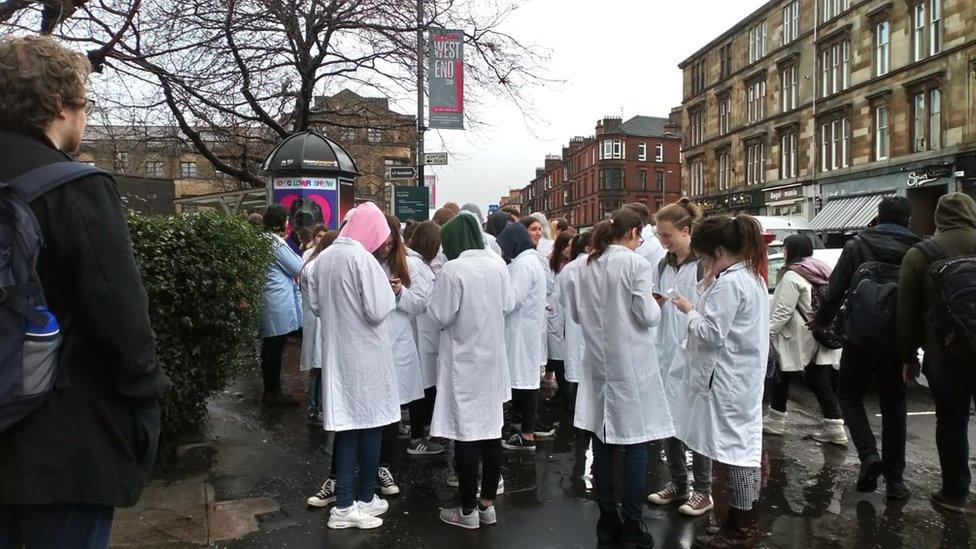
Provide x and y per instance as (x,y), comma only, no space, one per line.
(791,200)
(748,202)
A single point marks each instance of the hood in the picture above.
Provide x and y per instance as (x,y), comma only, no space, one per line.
(497,223)
(955,211)
(460,235)
(474,209)
(514,240)
(367,225)
(546,227)
(889,243)
(815,272)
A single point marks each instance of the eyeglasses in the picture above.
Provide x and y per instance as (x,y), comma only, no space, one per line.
(88,106)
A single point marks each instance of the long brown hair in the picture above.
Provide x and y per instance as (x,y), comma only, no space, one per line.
(681,214)
(397,260)
(426,240)
(620,223)
(556,260)
(327,239)
(740,235)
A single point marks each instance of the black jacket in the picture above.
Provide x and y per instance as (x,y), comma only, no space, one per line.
(93,441)
(887,243)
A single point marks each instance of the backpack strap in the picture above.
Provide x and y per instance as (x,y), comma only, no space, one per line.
(661,265)
(932,250)
(700,268)
(867,254)
(33,184)
(17,299)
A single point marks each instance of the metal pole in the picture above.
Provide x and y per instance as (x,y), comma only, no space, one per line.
(420,92)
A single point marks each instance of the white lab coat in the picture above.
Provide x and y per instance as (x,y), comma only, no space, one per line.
(490,243)
(525,326)
(311,356)
(555,319)
(620,396)
(426,332)
(672,332)
(728,344)
(792,341)
(545,247)
(411,302)
(470,299)
(651,249)
(352,297)
(574,344)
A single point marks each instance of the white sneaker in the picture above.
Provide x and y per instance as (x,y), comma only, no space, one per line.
(774,423)
(325,495)
(374,508)
(456,517)
(385,482)
(499,491)
(832,432)
(452,480)
(487,516)
(352,517)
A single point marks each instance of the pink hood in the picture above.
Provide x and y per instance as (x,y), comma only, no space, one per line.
(367,225)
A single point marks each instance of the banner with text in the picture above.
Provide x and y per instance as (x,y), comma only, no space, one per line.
(309,200)
(445,80)
(430,181)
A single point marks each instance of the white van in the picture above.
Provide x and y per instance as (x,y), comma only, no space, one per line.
(777,228)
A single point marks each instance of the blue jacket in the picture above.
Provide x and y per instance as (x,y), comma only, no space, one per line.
(282,312)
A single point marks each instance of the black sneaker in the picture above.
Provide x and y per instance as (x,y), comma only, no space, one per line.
(518,444)
(608,527)
(945,503)
(897,491)
(871,469)
(634,534)
(542,430)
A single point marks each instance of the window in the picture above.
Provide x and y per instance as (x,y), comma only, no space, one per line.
(565,197)
(882,139)
(154,169)
(927,116)
(347,134)
(756,100)
(697,177)
(935,26)
(790,88)
(835,68)
(642,151)
(374,135)
(612,149)
(612,179)
(659,152)
(725,60)
(833,8)
(724,114)
(697,119)
(642,179)
(835,144)
(659,180)
(787,155)
(757,42)
(882,48)
(756,162)
(188,169)
(927,28)
(791,22)
(698,77)
(724,170)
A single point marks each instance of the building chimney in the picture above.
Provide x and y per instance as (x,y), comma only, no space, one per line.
(539,172)
(552,161)
(609,124)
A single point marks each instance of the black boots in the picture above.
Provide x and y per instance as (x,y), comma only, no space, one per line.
(635,534)
(739,530)
(608,527)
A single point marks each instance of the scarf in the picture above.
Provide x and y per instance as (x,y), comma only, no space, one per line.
(461,234)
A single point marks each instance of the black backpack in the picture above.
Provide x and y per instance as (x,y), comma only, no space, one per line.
(29,333)
(953,312)
(830,336)
(871,304)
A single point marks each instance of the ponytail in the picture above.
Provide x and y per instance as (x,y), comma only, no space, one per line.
(681,214)
(741,235)
(753,244)
(579,244)
(606,232)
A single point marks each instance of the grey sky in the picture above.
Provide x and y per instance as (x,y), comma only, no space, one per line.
(615,55)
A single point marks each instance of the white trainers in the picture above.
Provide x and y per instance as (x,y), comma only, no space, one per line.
(374,508)
(487,516)
(385,482)
(452,480)
(832,432)
(774,423)
(456,517)
(325,495)
(499,491)
(352,517)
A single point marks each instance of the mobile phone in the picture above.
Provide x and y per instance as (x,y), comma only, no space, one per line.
(672,294)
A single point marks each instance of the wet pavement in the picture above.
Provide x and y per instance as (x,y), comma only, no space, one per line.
(808,497)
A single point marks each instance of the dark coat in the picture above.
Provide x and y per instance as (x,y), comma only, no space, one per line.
(95,440)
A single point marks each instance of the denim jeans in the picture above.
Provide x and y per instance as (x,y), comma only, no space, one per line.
(857,368)
(358,449)
(701,467)
(953,387)
(635,469)
(70,525)
(315,391)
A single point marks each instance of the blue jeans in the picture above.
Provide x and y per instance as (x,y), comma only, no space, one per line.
(356,449)
(314,390)
(62,525)
(635,469)
(701,467)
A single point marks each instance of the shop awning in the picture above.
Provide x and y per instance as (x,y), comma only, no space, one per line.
(848,213)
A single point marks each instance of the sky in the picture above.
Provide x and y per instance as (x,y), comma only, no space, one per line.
(616,57)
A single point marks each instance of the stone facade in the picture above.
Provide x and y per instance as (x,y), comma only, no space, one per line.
(842,104)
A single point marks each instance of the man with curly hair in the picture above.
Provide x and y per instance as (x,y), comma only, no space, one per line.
(89,447)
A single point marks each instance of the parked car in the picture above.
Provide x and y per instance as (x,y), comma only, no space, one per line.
(777,228)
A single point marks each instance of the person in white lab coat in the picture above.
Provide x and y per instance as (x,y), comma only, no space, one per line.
(539,229)
(354,299)
(573,334)
(546,237)
(650,248)
(311,357)
(621,398)
(728,344)
(556,321)
(470,298)
(681,271)
(489,239)
(525,328)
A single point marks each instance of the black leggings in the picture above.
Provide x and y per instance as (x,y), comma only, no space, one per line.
(271,350)
(388,444)
(467,455)
(525,402)
(418,417)
(430,395)
(822,382)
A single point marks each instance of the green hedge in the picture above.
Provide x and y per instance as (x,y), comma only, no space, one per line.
(204,273)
